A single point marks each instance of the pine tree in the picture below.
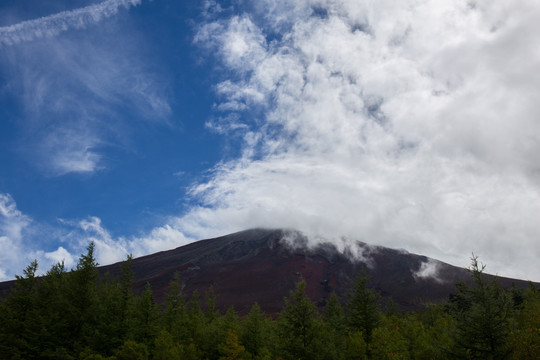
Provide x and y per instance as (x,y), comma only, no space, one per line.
(82,299)
(215,332)
(56,334)
(195,322)
(257,333)
(526,335)
(132,350)
(211,313)
(362,311)
(388,341)
(482,317)
(144,318)
(165,348)
(22,320)
(232,349)
(114,301)
(334,333)
(174,313)
(126,293)
(298,325)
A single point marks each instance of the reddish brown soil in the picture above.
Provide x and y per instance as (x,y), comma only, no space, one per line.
(257,265)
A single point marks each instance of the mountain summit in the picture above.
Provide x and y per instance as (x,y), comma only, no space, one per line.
(264,265)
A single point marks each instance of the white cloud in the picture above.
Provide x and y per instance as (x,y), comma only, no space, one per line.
(409,124)
(53,25)
(12,227)
(22,240)
(8,207)
(110,249)
(429,270)
(61,255)
(71,150)
(107,249)
(161,238)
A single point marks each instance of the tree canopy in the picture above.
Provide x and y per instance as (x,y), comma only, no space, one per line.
(78,314)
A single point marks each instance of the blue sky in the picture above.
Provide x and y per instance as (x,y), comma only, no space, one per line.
(145,125)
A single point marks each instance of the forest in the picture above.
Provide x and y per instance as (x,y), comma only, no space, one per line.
(77,314)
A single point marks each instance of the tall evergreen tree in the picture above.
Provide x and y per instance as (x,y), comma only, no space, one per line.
(231,349)
(144,319)
(115,301)
(482,315)
(526,334)
(82,298)
(211,311)
(195,321)
(22,321)
(257,333)
(298,325)
(174,313)
(388,342)
(126,293)
(54,302)
(362,310)
(334,328)
(165,348)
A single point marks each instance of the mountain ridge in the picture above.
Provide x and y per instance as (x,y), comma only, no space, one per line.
(263,265)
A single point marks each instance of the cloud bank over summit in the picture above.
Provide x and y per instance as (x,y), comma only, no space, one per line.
(407,124)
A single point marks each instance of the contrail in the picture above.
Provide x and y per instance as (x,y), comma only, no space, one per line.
(52,25)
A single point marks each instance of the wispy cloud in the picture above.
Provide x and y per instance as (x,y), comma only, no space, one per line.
(53,25)
(70,151)
(83,92)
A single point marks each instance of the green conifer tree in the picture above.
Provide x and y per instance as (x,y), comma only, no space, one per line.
(82,299)
(144,318)
(298,325)
(482,314)
(165,348)
(174,314)
(362,310)
(231,349)
(334,334)
(257,333)
(22,319)
(526,333)
(54,301)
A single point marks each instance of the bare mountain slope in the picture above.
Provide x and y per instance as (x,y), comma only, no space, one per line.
(264,265)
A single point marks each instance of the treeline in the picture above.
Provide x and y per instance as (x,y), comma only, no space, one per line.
(77,314)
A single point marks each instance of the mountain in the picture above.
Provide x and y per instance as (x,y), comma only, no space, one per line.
(264,265)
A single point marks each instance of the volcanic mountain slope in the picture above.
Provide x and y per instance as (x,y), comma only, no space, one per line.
(264,265)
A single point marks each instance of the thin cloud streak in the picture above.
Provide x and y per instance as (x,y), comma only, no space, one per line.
(53,25)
